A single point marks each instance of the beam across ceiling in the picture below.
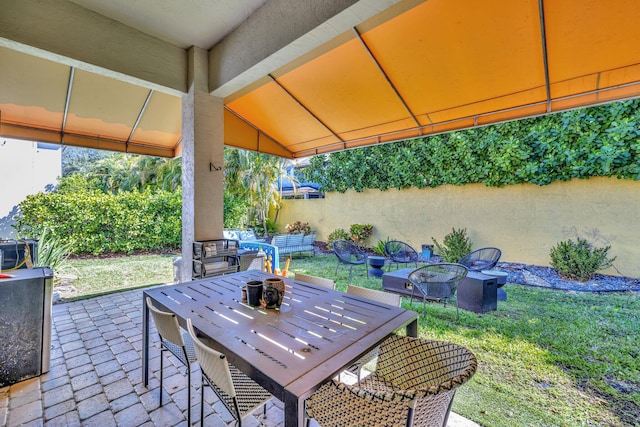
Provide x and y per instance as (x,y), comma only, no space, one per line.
(282,31)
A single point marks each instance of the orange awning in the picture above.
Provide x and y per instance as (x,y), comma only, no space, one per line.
(439,66)
(445,65)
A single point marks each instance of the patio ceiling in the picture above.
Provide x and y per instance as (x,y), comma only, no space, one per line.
(416,68)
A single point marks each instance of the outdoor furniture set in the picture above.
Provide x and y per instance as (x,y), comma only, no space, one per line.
(295,353)
(470,283)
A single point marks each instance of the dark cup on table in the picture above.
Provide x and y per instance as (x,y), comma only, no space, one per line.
(254,293)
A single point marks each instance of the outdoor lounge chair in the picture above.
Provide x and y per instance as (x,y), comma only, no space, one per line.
(481,259)
(349,254)
(174,340)
(414,384)
(238,393)
(400,253)
(438,282)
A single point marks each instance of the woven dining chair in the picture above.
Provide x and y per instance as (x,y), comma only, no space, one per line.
(239,394)
(251,262)
(414,384)
(375,295)
(176,341)
(438,282)
(256,264)
(320,281)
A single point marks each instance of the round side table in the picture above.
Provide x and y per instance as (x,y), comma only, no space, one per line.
(376,263)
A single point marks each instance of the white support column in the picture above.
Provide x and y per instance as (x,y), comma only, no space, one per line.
(202,161)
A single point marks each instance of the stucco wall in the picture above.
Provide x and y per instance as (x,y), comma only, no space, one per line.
(525,221)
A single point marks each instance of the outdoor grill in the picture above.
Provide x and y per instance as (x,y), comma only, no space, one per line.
(25,324)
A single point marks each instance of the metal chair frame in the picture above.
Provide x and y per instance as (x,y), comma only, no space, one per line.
(438,282)
(400,253)
(481,259)
(176,342)
(384,297)
(225,380)
(349,254)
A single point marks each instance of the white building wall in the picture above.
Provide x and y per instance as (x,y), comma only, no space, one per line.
(26,167)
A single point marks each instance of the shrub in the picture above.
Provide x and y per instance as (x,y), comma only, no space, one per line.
(337,234)
(360,233)
(579,260)
(52,251)
(100,223)
(454,245)
(298,227)
(272,228)
(378,249)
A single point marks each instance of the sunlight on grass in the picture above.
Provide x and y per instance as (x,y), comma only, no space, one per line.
(99,275)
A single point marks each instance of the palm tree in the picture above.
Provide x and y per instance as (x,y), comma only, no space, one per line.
(254,177)
(125,172)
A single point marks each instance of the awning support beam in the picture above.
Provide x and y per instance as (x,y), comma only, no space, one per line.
(259,132)
(386,76)
(72,73)
(545,56)
(142,110)
(311,113)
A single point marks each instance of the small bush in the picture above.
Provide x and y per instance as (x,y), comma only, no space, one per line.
(360,233)
(337,234)
(378,249)
(454,245)
(298,227)
(579,260)
(52,251)
(272,228)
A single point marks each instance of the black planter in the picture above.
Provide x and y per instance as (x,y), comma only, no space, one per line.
(376,263)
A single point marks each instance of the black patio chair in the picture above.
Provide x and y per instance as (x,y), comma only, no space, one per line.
(400,253)
(438,282)
(349,254)
(481,259)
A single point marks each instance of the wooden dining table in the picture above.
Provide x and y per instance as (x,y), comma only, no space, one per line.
(292,351)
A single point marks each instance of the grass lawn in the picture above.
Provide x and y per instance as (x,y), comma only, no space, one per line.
(546,358)
(85,277)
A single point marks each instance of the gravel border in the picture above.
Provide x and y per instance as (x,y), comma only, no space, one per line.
(547,277)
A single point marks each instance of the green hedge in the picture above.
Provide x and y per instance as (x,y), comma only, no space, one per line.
(598,141)
(105,223)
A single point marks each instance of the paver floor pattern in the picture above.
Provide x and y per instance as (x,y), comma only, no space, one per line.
(95,377)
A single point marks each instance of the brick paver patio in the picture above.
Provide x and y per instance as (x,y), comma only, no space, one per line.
(95,377)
